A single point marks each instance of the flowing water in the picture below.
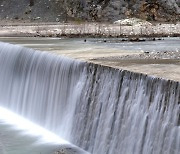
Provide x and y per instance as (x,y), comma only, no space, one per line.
(20,136)
(100,109)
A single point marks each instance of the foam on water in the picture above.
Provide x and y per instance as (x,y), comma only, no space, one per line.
(29,128)
(19,136)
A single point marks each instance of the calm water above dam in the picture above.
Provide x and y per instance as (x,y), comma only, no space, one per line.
(97,49)
(77,48)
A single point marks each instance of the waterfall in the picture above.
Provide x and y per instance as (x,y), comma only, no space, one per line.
(100,109)
(123,113)
(40,86)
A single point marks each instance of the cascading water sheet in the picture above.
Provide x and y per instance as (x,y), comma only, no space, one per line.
(100,109)
(123,113)
(40,86)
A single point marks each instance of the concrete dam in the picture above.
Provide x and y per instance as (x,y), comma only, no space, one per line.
(100,109)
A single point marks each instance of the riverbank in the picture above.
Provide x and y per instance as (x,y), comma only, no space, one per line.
(86,30)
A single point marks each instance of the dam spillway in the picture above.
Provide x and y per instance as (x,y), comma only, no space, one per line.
(100,109)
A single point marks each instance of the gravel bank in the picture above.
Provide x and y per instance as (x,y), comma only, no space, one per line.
(173,55)
(90,30)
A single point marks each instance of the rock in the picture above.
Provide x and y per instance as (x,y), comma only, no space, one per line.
(57,20)
(28,11)
(16,17)
(132,22)
(146,52)
(36,18)
(93,10)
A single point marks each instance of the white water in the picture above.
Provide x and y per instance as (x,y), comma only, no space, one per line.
(125,113)
(39,86)
(30,128)
(20,136)
(100,109)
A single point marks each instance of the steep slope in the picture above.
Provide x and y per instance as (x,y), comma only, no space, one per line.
(110,10)
(97,10)
(42,10)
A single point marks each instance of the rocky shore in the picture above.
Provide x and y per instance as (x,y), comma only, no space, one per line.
(133,31)
(166,55)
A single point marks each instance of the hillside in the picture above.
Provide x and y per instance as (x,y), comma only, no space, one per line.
(89,10)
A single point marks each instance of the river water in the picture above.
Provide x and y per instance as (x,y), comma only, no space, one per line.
(20,136)
(94,47)
(100,109)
